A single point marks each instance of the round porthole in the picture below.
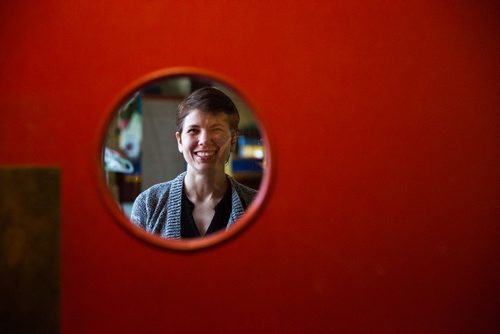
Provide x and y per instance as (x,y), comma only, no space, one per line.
(184,161)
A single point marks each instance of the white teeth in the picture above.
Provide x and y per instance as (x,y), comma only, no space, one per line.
(204,154)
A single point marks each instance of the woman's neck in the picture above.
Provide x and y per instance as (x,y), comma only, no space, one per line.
(202,187)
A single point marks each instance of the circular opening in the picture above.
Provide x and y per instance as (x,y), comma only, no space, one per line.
(184,182)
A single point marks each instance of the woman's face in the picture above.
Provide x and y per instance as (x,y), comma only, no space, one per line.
(205,141)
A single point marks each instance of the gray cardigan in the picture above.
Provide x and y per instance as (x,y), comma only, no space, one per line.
(158,209)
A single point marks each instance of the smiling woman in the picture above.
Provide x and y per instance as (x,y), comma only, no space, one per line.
(184,158)
(203,199)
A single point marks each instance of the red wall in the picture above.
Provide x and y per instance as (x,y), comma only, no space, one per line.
(383,119)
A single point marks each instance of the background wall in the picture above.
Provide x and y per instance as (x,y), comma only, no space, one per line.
(161,159)
(383,120)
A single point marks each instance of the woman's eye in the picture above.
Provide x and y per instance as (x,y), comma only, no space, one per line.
(192,131)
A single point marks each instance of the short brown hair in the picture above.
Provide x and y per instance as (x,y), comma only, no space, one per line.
(208,99)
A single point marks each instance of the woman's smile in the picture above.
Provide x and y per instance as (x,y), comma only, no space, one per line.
(205,155)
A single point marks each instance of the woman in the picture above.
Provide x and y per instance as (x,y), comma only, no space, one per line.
(203,199)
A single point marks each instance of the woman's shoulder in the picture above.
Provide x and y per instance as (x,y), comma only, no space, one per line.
(159,190)
(246,190)
(243,191)
(153,200)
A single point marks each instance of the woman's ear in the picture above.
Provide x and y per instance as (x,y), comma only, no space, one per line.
(179,141)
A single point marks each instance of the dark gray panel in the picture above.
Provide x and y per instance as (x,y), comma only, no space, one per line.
(29,250)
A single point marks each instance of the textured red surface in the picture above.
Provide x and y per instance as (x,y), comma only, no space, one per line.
(384,124)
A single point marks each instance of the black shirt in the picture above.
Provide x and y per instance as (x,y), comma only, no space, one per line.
(219,221)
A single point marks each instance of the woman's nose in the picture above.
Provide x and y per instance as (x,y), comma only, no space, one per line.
(203,138)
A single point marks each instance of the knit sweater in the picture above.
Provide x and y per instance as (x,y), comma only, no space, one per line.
(158,209)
